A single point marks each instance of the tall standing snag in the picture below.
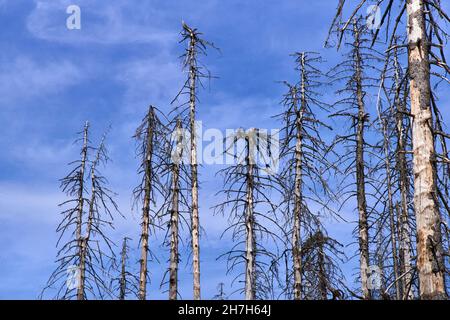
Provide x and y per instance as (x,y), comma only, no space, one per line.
(90,212)
(195,47)
(247,194)
(151,137)
(353,71)
(303,174)
(177,204)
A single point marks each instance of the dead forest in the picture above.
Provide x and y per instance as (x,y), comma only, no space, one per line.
(388,160)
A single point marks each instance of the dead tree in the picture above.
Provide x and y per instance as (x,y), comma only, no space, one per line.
(303,156)
(425,42)
(187,111)
(247,193)
(83,259)
(221,295)
(177,204)
(151,138)
(395,179)
(323,278)
(354,71)
(126,283)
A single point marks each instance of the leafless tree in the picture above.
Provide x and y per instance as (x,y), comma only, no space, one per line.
(177,205)
(395,179)
(355,72)
(151,137)
(83,258)
(196,72)
(251,214)
(127,283)
(304,166)
(221,295)
(323,278)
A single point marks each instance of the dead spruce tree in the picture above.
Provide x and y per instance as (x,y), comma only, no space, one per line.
(251,214)
(177,204)
(304,168)
(354,72)
(151,139)
(395,180)
(425,41)
(82,260)
(126,283)
(323,278)
(195,46)
(221,295)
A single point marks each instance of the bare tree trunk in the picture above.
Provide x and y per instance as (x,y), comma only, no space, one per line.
(174,220)
(80,241)
(429,260)
(194,174)
(296,236)
(142,294)
(250,250)
(404,235)
(123,272)
(391,209)
(360,171)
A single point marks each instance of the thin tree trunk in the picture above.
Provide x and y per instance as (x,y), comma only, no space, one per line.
(250,250)
(405,237)
(174,220)
(194,175)
(391,211)
(123,280)
(360,172)
(429,260)
(298,194)
(142,294)
(80,289)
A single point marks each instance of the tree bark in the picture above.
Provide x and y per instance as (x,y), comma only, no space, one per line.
(250,250)
(194,174)
(142,294)
(391,210)
(429,259)
(402,167)
(298,194)
(360,170)
(80,289)
(174,220)
(123,280)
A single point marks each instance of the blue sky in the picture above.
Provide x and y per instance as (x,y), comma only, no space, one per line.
(125,57)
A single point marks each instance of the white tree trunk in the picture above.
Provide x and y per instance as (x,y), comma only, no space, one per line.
(142,294)
(431,277)
(250,253)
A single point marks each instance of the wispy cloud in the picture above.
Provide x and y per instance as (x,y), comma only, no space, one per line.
(154,80)
(27,78)
(102,23)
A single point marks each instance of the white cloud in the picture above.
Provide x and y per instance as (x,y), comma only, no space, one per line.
(27,78)
(150,81)
(101,23)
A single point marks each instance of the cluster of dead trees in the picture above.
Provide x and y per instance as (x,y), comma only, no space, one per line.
(392,162)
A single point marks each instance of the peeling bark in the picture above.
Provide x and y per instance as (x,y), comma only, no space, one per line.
(429,255)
